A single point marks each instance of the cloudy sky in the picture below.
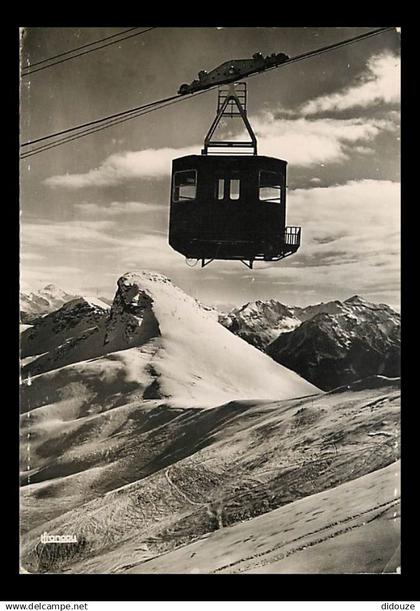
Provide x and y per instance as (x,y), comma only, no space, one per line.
(98,207)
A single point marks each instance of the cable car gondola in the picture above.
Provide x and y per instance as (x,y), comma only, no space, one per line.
(230,203)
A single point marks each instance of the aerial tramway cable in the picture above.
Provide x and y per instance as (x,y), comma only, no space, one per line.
(97,121)
(89,44)
(122,116)
(91,130)
(28,70)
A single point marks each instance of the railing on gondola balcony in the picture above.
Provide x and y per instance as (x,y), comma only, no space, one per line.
(292,236)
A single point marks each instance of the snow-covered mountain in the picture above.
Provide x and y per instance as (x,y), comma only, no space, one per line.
(323,342)
(63,327)
(45,300)
(143,486)
(260,322)
(353,340)
(149,425)
(328,307)
(157,342)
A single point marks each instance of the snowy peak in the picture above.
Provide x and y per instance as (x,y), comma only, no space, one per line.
(132,321)
(148,299)
(41,302)
(356,308)
(74,317)
(329,343)
(355,299)
(86,303)
(159,343)
(260,322)
(329,307)
(53,292)
(331,349)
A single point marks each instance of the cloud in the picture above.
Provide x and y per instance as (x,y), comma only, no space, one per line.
(121,167)
(363,150)
(66,277)
(348,221)
(303,142)
(379,84)
(350,244)
(31,256)
(64,234)
(355,206)
(117,208)
(307,142)
(292,134)
(92,251)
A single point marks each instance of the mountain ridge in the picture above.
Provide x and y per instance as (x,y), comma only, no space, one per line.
(335,349)
(136,482)
(45,300)
(148,426)
(167,342)
(343,340)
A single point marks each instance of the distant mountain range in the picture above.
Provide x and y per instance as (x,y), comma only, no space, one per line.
(56,336)
(43,301)
(329,344)
(260,322)
(175,346)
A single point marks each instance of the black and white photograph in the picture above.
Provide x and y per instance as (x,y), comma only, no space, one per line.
(210,294)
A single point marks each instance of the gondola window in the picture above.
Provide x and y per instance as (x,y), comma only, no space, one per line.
(220,188)
(234,188)
(185,185)
(270,187)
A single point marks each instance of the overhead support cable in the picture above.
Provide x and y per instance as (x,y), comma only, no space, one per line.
(32,69)
(85,129)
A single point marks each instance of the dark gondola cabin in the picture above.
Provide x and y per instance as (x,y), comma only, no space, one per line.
(230,207)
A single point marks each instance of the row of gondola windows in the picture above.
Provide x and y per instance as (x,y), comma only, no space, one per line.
(233,184)
(185,187)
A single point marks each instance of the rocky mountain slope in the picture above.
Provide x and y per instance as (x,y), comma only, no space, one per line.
(157,342)
(351,528)
(140,480)
(260,322)
(332,349)
(44,301)
(149,426)
(329,343)
(74,318)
